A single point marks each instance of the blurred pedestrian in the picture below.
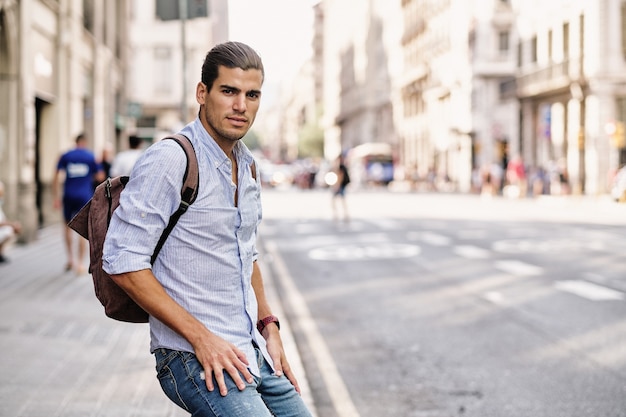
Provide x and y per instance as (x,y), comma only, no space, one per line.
(217,346)
(8,229)
(107,154)
(105,163)
(516,185)
(125,160)
(339,189)
(81,170)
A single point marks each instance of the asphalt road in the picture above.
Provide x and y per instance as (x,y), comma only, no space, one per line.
(453,305)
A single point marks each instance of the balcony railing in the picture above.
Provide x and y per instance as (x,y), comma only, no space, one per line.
(549,79)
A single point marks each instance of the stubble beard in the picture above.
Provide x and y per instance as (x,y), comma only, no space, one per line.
(222,134)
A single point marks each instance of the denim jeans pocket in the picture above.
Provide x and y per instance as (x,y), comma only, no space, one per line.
(173,366)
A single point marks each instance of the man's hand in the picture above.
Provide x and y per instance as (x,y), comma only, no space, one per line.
(277,353)
(217,356)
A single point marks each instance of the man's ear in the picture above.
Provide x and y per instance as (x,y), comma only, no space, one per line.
(201,92)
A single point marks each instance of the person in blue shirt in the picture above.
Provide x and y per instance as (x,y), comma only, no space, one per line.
(216,343)
(81,170)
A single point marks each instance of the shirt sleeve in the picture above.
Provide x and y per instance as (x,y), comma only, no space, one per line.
(61,163)
(151,196)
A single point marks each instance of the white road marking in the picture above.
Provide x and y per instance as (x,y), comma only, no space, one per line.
(471,252)
(589,290)
(364,251)
(495,297)
(546,246)
(337,390)
(518,268)
(433,239)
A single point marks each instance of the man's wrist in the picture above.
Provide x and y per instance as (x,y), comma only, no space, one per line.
(262,324)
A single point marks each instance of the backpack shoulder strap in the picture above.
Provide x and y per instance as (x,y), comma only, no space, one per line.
(188,192)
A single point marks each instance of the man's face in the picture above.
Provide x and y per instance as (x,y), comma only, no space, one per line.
(229,109)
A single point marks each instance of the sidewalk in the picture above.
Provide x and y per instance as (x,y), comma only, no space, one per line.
(63,357)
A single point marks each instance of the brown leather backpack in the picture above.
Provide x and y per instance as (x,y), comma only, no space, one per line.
(92,222)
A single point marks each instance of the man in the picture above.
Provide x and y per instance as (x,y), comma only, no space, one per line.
(216,343)
(8,229)
(339,188)
(81,169)
(124,161)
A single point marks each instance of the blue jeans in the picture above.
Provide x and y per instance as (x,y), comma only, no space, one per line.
(182,379)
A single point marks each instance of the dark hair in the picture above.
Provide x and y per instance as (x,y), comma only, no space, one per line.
(231,55)
(134,141)
(80,137)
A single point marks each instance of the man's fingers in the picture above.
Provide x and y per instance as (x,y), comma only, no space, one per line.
(292,378)
(278,368)
(234,374)
(208,381)
(225,360)
(221,385)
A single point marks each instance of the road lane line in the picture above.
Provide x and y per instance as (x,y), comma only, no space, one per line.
(434,239)
(495,297)
(471,252)
(589,290)
(518,268)
(342,402)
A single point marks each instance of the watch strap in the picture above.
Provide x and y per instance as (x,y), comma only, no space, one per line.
(267,320)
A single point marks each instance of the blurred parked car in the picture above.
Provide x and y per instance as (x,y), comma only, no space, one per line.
(618,189)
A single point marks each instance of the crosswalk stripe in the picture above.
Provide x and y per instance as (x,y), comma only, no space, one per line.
(471,252)
(433,239)
(518,268)
(589,290)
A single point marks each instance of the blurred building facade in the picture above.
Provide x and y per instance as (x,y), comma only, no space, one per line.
(361,64)
(458,87)
(571,84)
(62,68)
(450,86)
(165,60)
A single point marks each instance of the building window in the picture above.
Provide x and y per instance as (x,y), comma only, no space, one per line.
(503,42)
(550,40)
(163,69)
(533,49)
(581,36)
(88,15)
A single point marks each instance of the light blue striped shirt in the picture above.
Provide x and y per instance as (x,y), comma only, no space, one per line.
(206,262)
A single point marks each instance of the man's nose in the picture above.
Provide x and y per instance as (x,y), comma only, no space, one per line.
(240,103)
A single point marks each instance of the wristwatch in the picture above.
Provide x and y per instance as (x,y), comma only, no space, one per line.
(267,320)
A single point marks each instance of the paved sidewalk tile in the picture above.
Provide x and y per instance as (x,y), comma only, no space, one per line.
(61,355)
